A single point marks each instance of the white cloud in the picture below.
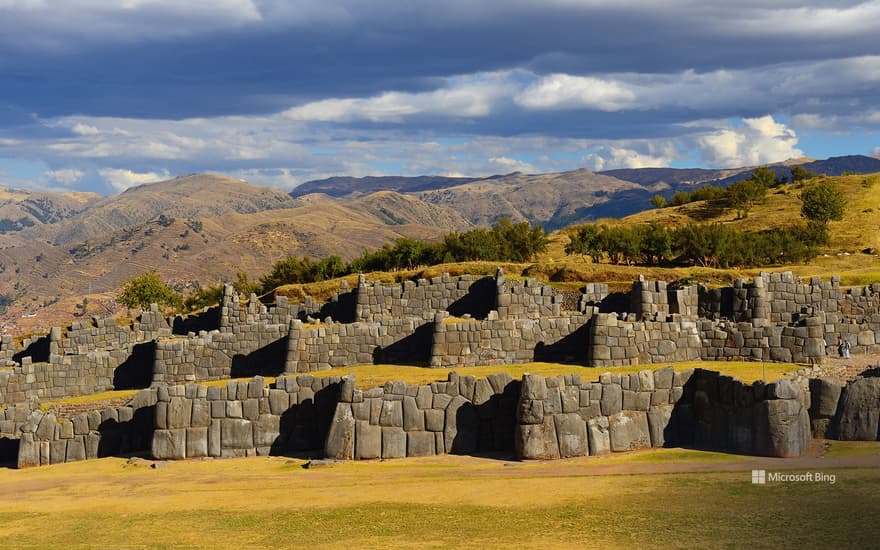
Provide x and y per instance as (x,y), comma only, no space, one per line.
(121,179)
(84,130)
(758,141)
(563,91)
(469,97)
(506,165)
(67,176)
(608,157)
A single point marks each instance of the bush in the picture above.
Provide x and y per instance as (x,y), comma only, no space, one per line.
(823,203)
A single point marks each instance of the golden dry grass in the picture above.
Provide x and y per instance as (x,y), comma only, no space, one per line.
(449,501)
(368,376)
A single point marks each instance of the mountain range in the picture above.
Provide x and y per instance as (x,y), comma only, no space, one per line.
(57,248)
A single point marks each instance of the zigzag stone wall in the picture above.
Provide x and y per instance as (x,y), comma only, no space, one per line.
(563,417)
(461,415)
(244,418)
(45,439)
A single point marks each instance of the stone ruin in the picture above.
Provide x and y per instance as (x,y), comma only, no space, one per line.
(448,322)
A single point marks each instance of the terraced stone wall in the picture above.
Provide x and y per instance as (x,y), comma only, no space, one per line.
(471,342)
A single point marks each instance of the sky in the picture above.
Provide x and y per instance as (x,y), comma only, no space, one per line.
(99,95)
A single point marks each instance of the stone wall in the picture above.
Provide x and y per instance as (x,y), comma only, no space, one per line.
(106,334)
(423,298)
(244,418)
(471,342)
(393,340)
(71,375)
(45,439)
(618,342)
(462,415)
(238,351)
(527,299)
(730,341)
(564,417)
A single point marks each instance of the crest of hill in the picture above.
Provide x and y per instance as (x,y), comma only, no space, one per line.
(194,196)
(345,185)
(682,178)
(20,209)
(552,200)
(399,209)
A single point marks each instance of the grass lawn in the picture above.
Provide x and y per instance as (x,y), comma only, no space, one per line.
(443,502)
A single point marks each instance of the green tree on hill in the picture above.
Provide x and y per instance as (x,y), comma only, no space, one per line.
(658,201)
(148,289)
(823,203)
(745,194)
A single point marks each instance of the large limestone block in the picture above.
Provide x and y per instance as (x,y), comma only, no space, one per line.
(571,431)
(196,442)
(537,441)
(236,433)
(420,444)
(530,411)
(860,410)
(787,428)
(600,439)
(367,441)
(659,418)
(533,387)
(394,443)
(824,395)
(629,431)
(340,436)
(462,426)
(169,444)
(28,451)
(612,399)
(663,378)
(179,413)
(391,414)
(267,428)
(413,417)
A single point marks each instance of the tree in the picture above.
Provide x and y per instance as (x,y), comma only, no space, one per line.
(823,203)
(658,201)
(799,174)
(586,242)
(147,289)
(764,176)
(745,194)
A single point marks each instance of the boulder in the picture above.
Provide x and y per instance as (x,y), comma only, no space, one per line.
(860,410)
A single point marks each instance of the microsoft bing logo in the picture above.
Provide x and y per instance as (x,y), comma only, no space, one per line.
(759,477)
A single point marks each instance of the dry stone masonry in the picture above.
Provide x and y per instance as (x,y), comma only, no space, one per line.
(456,321)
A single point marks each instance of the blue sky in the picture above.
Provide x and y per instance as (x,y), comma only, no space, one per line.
(101,96)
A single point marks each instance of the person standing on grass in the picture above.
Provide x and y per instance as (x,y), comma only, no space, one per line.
(846,348)
(839,345)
